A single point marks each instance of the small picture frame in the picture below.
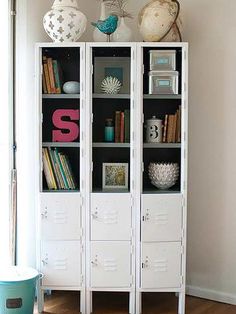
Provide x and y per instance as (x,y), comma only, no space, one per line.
(118,67)
(115,176)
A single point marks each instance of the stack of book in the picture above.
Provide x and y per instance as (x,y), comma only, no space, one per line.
(122,126)
(57,170)
(52,77)
(172,127)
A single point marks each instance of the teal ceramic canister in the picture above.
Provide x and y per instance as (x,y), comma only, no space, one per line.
(109,131)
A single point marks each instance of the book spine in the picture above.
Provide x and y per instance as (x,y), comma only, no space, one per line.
(164,139)
(179,126)
(45,91)
(122,127)
(46,171)
(56,76)
(61,169)
(127,126)
(169,129)
(51,75)
(63,162)
(174,128)
(50,165)
(46,74)
(51,154)
(70,172)
(117,127)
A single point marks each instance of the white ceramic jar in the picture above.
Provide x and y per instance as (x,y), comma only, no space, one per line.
(153,130)
(65,23)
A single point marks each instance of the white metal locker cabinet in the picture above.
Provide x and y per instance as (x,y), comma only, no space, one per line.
(110,264)
(60,216)
(161,217)
(60,263)
(161,265)
(111,216)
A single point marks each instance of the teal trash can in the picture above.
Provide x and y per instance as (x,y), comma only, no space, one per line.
(17,290)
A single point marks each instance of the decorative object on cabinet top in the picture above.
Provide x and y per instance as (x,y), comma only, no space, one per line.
(157,18)
(71,87)
(110,85)
(118,67)
(108,26)
(64,22)
(115,176)
(163,175)
(97,34)
(123,33)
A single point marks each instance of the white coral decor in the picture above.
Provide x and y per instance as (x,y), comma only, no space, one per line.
(110,85)
(163,175)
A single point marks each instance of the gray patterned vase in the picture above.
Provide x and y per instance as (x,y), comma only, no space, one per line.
(65,22)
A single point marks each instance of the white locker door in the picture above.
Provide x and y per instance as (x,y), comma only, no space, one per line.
(111,216)
(61,263)
(60,216)
(161,265)
(161,217)
(110,264)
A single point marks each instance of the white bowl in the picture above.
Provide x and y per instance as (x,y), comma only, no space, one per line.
(163,175)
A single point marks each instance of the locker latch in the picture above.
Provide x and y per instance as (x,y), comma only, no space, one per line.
(95,215)
(146,217)
(95,262)
(145,264)
(44,214)
(45,261)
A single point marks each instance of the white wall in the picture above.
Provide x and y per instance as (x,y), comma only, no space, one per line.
(211,32)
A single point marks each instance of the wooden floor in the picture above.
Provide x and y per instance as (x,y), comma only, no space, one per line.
(117,303)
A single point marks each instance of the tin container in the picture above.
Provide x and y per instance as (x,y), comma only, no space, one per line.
(163,82)
(162,60)
(153,130)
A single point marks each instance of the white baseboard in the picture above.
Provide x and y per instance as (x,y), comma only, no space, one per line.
(211,294)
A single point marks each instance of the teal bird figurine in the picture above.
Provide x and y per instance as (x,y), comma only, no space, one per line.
(108,26)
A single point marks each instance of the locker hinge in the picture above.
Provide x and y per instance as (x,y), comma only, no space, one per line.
(91,166)
(91,69)
(131,280)
(142,118)
(142,68)
(142,166)
(91,118)
(41,117)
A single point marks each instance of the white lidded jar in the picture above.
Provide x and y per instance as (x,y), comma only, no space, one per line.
(65,23)
(153,130)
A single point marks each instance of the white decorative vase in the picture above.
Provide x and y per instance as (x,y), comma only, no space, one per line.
(163,175)
(123,32)
(97,34)
(157,18)
(65,22)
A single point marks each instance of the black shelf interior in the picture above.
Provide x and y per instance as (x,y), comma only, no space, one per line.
(73,154)
(147,67)
(49,107)
(69,61)
(101,155)
(160,155)
(103,109)
(159,108)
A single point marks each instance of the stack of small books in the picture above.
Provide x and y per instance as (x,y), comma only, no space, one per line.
(172,127)
(52,76)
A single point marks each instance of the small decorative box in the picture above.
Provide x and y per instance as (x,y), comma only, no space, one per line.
(163,82)
(162,60)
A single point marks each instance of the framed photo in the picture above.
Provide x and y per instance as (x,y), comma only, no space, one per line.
(118,67)
(115,175)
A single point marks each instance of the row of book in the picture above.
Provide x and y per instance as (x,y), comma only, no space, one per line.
(122,126)
(57,170)
(52,76)
(172,127)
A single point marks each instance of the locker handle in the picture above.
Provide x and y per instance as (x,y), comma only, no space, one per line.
(45,261)
(44,214)
(95,215)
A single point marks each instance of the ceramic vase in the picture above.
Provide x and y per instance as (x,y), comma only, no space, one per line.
(157,18)
(123,32)
(64,22)
(97,34)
